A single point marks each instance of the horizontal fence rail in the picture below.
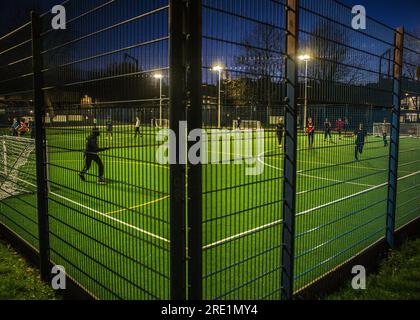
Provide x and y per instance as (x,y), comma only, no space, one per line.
(309,149)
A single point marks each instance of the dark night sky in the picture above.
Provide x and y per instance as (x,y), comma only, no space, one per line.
(392,12)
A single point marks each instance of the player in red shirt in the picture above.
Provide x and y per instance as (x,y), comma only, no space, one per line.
(310,132)
(23,128)
(339,125)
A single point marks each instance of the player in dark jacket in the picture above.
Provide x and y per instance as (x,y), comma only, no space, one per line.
(279,132)
(92,154)
(327,130)
(360,141)
(385,133)
(238,123)
(32,128)
(109,128)
(15,127)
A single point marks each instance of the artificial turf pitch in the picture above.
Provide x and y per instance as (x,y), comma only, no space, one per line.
(114,239)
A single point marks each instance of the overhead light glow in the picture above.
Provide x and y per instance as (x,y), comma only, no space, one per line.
(305,57)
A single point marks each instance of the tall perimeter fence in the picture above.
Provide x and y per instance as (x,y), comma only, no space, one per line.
(149,230)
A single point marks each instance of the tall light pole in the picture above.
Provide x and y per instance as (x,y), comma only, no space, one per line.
(219,69)
(159,76)
(306,58)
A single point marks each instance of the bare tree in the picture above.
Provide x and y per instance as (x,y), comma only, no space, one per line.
(334,60)
(412,55)
(260,64)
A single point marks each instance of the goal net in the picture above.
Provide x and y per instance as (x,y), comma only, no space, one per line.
(247,125)
(410,129)
(406,129)
(160,123)
(380,128)
(17,166)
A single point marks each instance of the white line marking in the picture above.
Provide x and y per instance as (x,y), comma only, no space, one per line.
(334,180)
(123,162)
(331,164)
(311,176)
(245,233)
(103,214)
(354,195)
(242,234)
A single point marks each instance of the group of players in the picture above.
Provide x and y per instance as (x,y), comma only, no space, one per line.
(20,128)
(92,149)
(340,126)
(109,125)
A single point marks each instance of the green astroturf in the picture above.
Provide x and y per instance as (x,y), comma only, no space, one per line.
(114,239)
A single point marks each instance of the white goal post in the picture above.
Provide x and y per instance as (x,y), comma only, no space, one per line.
(17,166)
(380,128)
(160,123)
(247,125)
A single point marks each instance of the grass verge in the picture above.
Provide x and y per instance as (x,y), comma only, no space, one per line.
(20,281)
(398,278)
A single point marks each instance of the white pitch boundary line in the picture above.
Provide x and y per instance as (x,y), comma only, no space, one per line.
(310,176)
(354,195)
(408,163)
(102,214)
(266,226)
(329,164)
(126,162)
(335,180)
(242,234)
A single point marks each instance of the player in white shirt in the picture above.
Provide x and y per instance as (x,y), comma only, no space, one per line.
(137,128)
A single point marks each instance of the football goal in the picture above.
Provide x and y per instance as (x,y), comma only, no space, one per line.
(17,166)
(247,125)
(406,129)
(160,123)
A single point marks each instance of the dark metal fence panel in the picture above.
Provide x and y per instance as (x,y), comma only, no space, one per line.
(40,148)
(243,77)
(195,176)
(178,108)
(109,211)
(117,212)
(18,187)
(408,200)
(342,168)
(290,156)
(394,136)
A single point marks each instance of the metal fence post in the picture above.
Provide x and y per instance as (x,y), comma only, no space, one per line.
(395,136)
(194,114)
(177,113)
(40,145)
(291,140)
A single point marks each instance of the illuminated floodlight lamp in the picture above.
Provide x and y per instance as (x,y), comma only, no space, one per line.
(305,57)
